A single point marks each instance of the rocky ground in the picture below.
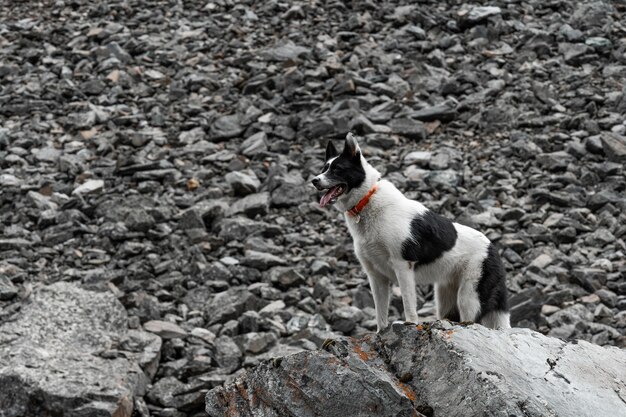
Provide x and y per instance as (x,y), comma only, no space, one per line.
(162,150)
(435,369)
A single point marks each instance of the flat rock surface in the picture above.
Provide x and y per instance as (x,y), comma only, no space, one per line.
(438,369)
(57,357)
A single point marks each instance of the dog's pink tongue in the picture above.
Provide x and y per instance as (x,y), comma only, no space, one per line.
(328,196)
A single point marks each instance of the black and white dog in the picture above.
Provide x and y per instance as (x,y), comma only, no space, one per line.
(398,240)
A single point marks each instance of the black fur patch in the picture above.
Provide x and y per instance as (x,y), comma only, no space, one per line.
(453,315)
(491,288)
(431,236)
(347,169)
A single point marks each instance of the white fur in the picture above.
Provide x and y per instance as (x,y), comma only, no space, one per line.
(497,320)
(378,236)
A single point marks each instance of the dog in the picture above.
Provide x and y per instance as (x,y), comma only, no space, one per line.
(398,240)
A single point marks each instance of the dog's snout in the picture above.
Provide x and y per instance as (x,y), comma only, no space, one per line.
(316,181)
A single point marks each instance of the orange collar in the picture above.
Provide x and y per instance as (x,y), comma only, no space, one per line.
(356,210)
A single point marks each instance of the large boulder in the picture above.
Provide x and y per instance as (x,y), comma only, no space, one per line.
(440,370)
(70,353)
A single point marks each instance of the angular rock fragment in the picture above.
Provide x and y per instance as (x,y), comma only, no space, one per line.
(61,364)
(165,329)
(88,187)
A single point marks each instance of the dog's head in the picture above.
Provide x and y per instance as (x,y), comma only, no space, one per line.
(342,172)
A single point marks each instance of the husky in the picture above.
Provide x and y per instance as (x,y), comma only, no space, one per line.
(399,241)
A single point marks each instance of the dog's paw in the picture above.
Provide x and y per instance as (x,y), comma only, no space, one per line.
(404,323)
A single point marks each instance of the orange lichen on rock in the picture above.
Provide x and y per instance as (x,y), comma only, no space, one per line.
(408,391)
(366,356)
(257,395)
(230,399)
(242,391)
(332,360)
(448,334)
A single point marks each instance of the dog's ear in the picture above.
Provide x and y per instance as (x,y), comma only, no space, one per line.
(331,152)
(351,146)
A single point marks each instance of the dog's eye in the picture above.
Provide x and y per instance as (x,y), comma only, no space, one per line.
(325,167)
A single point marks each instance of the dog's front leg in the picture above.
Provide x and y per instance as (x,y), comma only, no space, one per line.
(406,281)
(380,286)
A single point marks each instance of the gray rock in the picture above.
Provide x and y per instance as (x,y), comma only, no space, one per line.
(288,195)
(41,201)
(113,49)
(526,305)
(593,14)
(8,180)
(410,128)
(319,267)
(285,51)
(598,42)
(514,213)
(226,127)
(540,262)
(447,177)
(439,162)
(261,260)
(257,342)
(145,348)
(345,319)
(478,372)
(600,237)
(172,394)
(442,112)
(243,183)
(361,125)
(421,158)
(191,219)
(251,205)
(240,228)
(608,297)
(588,278)
(47,154)
(164,391)
(191,136)
(273,308)
(602,197)
(571,34)
(227,354)
(7,289)
(231,304)
(570,315)
(477,15)
(486,219)
(88,187)
(254,144)
(165,329)
(614,146)
(54,356)
(574,52)
(285,277)
(594,144)
(555,161)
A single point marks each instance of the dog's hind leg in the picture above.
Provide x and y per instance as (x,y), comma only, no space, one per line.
(380,286)
(468,301)
(445,295)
